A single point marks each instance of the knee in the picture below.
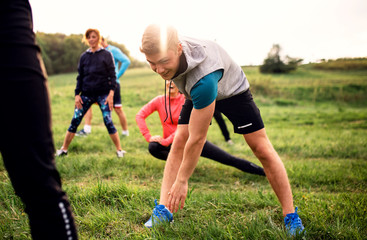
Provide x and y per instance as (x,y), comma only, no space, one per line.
(158,151)
(180,139)
(263,151)
(153,147)
(109,125)
(118,110)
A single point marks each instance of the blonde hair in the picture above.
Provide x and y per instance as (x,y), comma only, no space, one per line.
(157,39)
(88,32)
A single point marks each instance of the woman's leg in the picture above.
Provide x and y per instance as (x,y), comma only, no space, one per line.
(75,122)
(213,152)
(222,124)
(26,142)
(107,119)
(116,141)
(67,140)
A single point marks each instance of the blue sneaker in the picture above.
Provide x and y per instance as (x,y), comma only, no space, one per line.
(160,214)
(293,224)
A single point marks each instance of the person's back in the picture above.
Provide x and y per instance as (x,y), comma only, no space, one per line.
(204,57)
(122,62)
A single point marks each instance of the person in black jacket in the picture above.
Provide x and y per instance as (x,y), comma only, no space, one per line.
(30,166)
(96,83)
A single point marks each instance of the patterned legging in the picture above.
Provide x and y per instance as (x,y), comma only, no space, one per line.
(87,103)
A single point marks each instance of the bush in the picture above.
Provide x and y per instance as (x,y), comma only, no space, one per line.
(273,64)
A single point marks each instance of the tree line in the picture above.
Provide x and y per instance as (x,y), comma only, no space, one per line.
(61,52)
(343,64)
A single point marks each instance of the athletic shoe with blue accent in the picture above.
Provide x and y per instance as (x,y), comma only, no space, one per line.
(293,224)
(82,133)
(160,214)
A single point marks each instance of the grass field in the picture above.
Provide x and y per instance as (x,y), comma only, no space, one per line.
(316,120)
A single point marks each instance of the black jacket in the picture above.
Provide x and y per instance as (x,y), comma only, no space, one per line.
(96,73)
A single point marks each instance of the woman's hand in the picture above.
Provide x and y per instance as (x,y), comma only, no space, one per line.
(156,138)
(78,102)
(109,100)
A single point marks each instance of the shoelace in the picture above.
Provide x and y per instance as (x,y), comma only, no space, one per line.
(294,219)
(157,212)
(295,215)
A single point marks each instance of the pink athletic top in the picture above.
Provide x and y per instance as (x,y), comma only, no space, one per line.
(157,104)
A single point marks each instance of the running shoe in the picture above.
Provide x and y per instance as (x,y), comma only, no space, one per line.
(125,133)
(61,153)
(120,153)
(82,133)
(293,224)
(160,214)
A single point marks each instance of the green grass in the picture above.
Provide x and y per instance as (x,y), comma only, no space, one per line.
(316,120)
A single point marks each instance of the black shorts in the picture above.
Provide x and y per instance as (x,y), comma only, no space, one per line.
(117,96)
(241,110)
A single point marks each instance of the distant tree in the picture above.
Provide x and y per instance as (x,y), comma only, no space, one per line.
(46,59)
(57,49)
(274,64)
(61,53)
(72,49)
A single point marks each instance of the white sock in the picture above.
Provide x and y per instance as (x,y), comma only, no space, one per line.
(125,132)
(87,128)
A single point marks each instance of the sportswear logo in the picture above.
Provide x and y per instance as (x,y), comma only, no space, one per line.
(244,126)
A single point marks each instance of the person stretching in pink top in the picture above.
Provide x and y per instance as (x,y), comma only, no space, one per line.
(169,109)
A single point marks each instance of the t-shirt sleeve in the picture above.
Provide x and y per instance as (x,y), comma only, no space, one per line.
(205,91)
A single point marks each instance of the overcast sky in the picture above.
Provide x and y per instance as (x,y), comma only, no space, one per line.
(247,29)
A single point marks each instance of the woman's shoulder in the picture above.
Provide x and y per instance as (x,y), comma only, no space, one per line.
(84,53)
(158,98)
(83,57)
(101,51)
(105,52)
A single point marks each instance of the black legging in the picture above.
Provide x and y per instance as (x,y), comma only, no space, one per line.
(222,124)
(26,142)
(212,152)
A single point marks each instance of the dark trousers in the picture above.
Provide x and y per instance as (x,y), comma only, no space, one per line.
(222,124)
(26,142)
(212,152)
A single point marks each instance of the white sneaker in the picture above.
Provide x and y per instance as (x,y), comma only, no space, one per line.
(125,133)
(120,153)
(230,142)
(61,153)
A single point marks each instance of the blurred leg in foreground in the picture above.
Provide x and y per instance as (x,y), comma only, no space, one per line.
(26,142)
